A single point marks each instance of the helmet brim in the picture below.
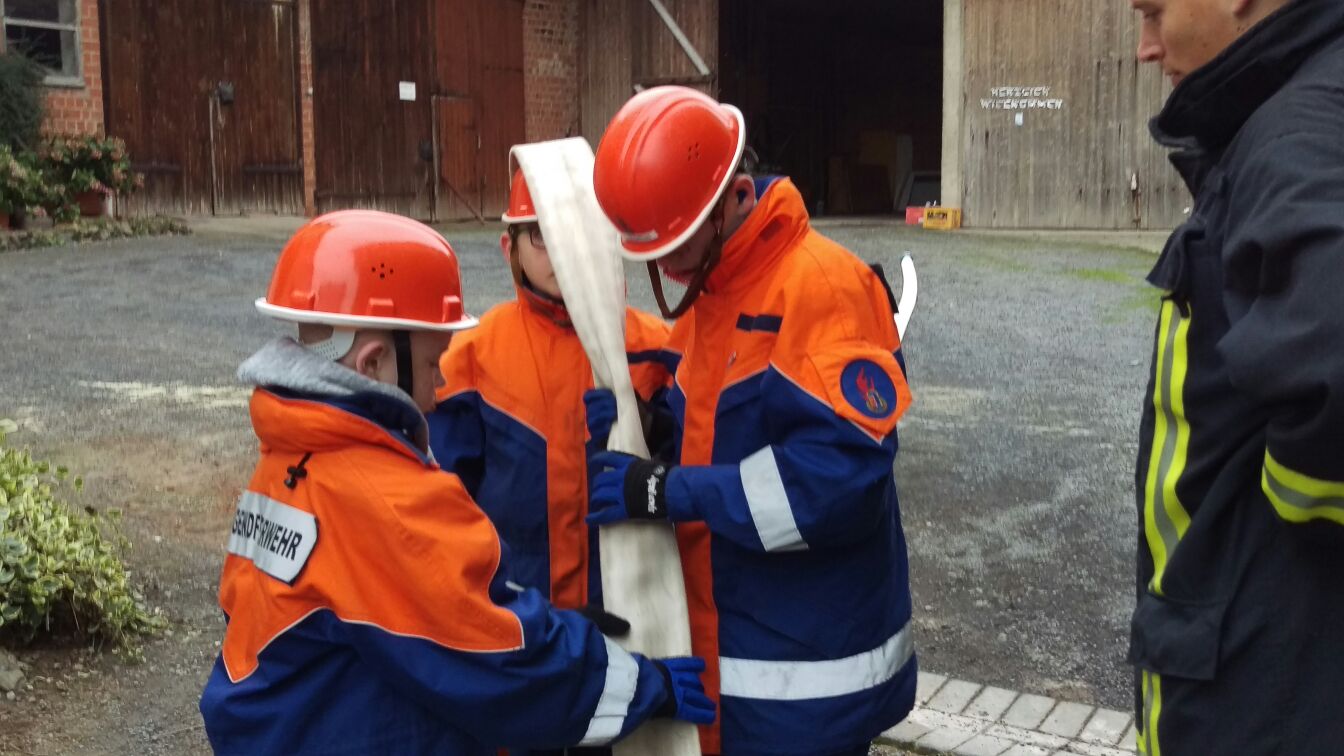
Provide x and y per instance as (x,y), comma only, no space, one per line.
(292,315)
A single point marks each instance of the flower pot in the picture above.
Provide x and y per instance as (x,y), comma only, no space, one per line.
(92,204)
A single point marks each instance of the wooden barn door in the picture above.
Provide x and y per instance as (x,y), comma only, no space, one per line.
(500,98)
(479,103)
(257,143)
(460,184)
(206,96)
(373,82)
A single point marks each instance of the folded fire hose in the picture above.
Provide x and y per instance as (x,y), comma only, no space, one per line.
(641,579)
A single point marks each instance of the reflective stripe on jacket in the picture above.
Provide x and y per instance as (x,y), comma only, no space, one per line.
(369,603)
(787,394)
(1240,476)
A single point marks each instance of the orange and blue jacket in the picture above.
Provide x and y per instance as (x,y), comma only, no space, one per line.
(511,424)
(369,601)
(786,396)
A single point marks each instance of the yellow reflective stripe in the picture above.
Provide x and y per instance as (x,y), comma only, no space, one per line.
(1180,368)
(1301,498)
(1142,724)
(1156,545)
(1154,748)
(1165,519)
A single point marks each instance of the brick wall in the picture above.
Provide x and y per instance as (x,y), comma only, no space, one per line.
(79,110)
(550,68)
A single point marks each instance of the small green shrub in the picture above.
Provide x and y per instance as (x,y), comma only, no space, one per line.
(21,101)
(61,571)
(20,182)
(90,231)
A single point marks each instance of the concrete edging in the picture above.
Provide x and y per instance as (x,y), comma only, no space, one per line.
(968,719)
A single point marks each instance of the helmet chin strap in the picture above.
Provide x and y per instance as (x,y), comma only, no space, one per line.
(401,340)
(696,285)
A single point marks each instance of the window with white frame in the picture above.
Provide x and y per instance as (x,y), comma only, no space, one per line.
(46,31)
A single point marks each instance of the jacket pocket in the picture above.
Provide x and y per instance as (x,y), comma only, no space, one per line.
(1193,245)
(1177,638)
(1174,272)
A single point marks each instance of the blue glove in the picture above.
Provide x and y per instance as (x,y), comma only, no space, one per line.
(686,699)
(627,488)
(600,406)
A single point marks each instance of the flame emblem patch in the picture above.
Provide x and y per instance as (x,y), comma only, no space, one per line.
(868,389)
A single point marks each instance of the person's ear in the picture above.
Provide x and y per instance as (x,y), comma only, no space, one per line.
(742,196)
(506,247)
(370,358)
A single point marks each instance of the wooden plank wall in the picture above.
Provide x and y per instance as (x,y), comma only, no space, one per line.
(624,42)
(1072,167)
(373,149)
(606,66)
(162,61)
(257,137)
(457,34)
(499,94)
(660,58)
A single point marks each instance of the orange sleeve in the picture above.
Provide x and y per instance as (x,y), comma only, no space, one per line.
(646,340)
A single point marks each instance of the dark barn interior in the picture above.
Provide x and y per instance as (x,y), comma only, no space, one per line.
(844,96)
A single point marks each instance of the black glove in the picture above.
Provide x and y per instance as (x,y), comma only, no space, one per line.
(611,625)
(660,426)
(628,488)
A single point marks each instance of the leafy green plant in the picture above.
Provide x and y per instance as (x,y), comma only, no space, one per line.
(20,182)
(56,199)
(61,570)
(49,182)
(21,101)
(91,163)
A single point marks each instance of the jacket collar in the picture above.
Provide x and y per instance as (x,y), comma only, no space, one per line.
(1209,107)
(291,373)
(549,308)
(777,222)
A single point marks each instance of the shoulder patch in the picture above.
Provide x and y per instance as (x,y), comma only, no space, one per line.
(868,389)
(275,537)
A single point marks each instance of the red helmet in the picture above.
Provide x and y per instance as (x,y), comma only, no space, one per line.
(665,160)
(521,209)
(367,269)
